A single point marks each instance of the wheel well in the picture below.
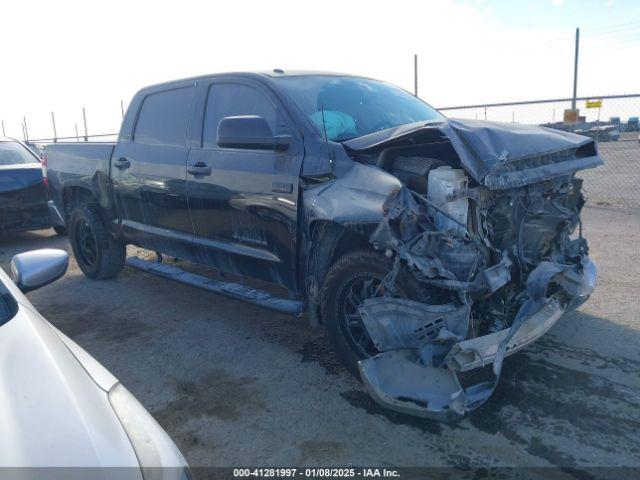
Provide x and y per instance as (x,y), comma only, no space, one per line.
(75,195)
(348,242)
(329,241)
(334,240)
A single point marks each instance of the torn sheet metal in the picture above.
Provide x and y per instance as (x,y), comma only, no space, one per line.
(480,351)
(397,380)
(497,155)
(508,256)
(404,379)
(394,323)
(407,230)
(508,281)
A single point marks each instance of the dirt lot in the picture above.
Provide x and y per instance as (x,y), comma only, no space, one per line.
(237,385)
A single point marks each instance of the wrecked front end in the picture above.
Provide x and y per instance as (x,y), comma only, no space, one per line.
(503,258)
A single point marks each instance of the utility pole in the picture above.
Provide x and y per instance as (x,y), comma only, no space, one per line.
(415,74)
(3,134)
(26,132)
(55,134)
(84,118)
(575,71)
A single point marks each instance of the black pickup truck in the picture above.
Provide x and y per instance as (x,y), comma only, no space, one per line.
(427,246)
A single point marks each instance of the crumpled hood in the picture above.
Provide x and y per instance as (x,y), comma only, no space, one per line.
(53,414)
(499,155)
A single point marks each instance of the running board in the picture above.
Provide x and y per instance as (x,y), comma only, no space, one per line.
(233,290)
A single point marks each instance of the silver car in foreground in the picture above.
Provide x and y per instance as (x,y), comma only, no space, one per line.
(62,414)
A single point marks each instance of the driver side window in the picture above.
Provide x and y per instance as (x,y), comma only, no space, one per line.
(227,100)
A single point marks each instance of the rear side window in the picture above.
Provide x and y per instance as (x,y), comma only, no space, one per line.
(229,100)
(163,117)
(12,153)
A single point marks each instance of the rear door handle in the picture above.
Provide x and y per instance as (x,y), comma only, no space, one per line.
(122,163)
(199,169)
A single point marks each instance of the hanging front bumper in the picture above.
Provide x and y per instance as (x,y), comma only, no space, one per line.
(416,381)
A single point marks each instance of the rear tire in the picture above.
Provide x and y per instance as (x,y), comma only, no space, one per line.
(350,280)
(98,253)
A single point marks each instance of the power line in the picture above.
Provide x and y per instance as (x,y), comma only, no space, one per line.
(614,26)
(621,31)
(608,48)
(616,44)
(622,36)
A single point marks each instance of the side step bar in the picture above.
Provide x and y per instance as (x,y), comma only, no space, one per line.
(233,290)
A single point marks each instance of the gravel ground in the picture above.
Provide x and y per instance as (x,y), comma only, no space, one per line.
(237,385)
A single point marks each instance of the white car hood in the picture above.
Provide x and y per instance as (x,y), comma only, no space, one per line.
(52,413)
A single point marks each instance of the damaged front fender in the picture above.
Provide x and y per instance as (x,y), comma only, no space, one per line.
(355,198)
(352,202)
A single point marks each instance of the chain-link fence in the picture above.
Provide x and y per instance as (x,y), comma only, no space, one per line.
(611,120)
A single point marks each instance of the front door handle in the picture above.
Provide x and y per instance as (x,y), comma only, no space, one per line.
(122,163)
(199,169)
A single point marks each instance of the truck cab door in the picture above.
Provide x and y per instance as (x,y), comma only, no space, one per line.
(148,172)
(244,203)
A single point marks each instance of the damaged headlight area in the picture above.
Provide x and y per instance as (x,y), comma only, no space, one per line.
(503,265)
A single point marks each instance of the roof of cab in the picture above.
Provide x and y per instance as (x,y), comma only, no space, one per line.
(275,73)
(278,72)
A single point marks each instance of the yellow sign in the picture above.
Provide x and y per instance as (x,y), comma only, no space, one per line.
(594,103)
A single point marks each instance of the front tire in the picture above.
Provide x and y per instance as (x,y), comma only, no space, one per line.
(351,279)
(98,253)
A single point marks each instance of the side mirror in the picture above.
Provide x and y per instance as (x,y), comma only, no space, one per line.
(250,131)
(35,269)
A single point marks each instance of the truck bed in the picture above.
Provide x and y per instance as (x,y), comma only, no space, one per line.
(78,164)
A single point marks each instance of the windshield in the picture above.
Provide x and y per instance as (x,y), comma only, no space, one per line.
(12,153)
(349,107)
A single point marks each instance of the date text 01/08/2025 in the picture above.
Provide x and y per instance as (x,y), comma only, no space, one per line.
(315,472)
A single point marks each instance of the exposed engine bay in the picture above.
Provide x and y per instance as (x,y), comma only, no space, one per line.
(498,246)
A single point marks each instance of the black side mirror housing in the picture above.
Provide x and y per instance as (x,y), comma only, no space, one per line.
(250,131)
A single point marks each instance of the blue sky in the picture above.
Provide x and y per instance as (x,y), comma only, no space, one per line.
(68,54)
